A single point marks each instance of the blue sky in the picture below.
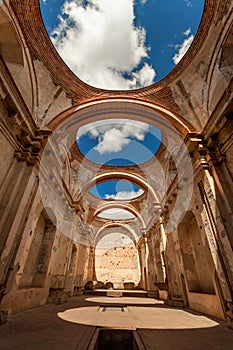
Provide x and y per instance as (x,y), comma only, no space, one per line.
(167,23)
(121,44)
(115,189)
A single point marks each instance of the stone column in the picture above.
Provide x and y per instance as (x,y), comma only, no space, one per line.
(16,195)
(151,263)
(139,248)
(143,255)
(91,264)
(163,233)
(217,236)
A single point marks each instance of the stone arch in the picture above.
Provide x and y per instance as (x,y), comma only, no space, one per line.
(153,114)
(160,262)
(198,271)
(122,175)
(126,229)
(123,109)
(123,206)
(69,285)
(39,255)
(117,263)
(72,259)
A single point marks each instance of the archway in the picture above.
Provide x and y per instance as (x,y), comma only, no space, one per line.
(38,260)
(196,256)
(197,279)
(120,227)
(116,260)
(123,207)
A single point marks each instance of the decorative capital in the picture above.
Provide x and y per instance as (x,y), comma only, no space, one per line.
(30,146)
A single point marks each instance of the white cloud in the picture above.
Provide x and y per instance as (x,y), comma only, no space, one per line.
(144,76)
(182,49)
(125,195)
(116,214)
(112,141)
(188,3)
(187,31)
(115,134)
(99,42)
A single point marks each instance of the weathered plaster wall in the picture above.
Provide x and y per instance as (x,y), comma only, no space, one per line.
(117,265)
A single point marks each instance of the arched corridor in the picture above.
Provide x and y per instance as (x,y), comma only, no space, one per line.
(115,205)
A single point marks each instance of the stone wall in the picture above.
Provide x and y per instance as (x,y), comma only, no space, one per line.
(117,265)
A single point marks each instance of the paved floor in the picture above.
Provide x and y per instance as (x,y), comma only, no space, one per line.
(71,326)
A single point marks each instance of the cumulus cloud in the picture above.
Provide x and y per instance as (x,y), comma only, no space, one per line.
(116,214)
(113,135)
(125,195)
(112,141)
(100,43)
(182,49)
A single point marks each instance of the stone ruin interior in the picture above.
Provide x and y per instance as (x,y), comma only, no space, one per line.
(179,238)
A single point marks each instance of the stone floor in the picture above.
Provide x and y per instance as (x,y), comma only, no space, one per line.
(71,325)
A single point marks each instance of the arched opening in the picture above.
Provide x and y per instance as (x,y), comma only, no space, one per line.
(151,38)
(116,260)
(71,289)
(115,214)
(118,142)
(116,190)
(38,259)
(197,279)
(196,256)
(121,211)
(120,176)
(122,227)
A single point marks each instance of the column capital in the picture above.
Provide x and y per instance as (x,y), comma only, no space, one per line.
(30,146)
